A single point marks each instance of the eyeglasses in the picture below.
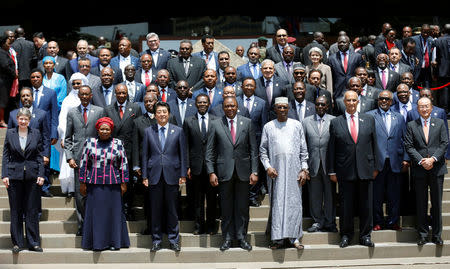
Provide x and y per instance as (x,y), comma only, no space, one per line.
(384,98)
(183,87)
(321,104)
(85,66)
(281,35)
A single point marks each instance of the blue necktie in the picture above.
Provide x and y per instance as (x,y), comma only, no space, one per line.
(106,97)
(162,138)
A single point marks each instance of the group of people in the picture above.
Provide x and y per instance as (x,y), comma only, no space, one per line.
(295,125)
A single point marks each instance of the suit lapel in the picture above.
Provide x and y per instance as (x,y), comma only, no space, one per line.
(16,142)
(226,129)
(155,133)
(379,118)
(239,128)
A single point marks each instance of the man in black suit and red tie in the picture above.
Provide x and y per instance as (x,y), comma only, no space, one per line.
(351,162)
(426,143)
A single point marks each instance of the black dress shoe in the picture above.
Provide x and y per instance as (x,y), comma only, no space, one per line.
(314,228)
(366,242)
(438,241)
(47,194)
(36,249)
(113,248)
(226,245)
(254,203)
(79,232)
(345,241)
(175,247)
(70,195)
(15,249)
(155,247)
(245,245)
(422,241)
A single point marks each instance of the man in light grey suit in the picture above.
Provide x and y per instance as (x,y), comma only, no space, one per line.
(320,188)
(80,126)
(395,55)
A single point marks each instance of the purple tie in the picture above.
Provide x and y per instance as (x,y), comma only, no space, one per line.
(383,78)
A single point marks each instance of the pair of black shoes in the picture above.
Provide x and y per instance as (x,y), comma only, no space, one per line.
(436,240)
(242,243)
(345,242)
(157,246)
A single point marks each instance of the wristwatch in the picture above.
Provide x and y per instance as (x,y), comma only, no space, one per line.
(254,173)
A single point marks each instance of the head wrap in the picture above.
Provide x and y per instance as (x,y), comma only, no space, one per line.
(46,58)
(79,76)
(281,100)
(104,120)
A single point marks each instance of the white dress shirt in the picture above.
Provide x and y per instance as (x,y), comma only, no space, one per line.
(123,62)
(248,103)
(108,96)
(300,109)
(37,98)
(131,86)
(349,122)
(155,56)
(199,116)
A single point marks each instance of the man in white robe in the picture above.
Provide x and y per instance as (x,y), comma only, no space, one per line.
(284,155)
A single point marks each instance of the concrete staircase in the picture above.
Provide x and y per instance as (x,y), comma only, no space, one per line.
(61,246)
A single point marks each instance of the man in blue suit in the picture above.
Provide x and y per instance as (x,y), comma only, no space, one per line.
(391,159)
(45,98)
(124,57)
(182,106)
(164,167)
(160,56)
(82,52)
(252,68)
(208,54)
(424,51)
(404,104)
(408,79)
(210,89)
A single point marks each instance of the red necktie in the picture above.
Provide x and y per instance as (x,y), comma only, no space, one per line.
(85,115)
(345,61)
(353,129)
(147,79)
(163,97)
(233,132)
(425,56)
(121,111)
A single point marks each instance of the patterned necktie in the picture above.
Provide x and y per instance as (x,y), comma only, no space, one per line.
(353,130)
(162,138)
(233,132)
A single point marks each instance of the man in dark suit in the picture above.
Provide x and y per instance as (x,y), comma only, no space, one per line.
(166,93)
(395,56)
(300,108)
(232,165)
(391,160)
(136,90)
(408,79)
(26,56)
(182,106)
(214,93)
(385,78)
(105,56)
(104,95)
(343,64)
(185,67)
(61,62)
(145,74)
(82,52)
(41,45)
(269,86)
(196,131)
(258,114)
(81,122)
(124,57)
(364,103)
(426,142)
(123,113)
(424,52)
(164,167)
(313,89)
(404,104)
(443,66)
(351,163)
(229,91)
(230,79)
(253,67)
(367,90)
(275,52)
(160,56)
(410,57)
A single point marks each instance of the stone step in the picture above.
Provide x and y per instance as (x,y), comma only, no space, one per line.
(408,235)
(214,255)
(47,214)
(47,202)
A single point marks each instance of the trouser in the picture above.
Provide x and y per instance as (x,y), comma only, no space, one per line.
(260,187)
(435,185)
(322,192)
(164,203)
(80,200)
(203,190)
(387,184)
(24,199)
(234,208)
(356,192)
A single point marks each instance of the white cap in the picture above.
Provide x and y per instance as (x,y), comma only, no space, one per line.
(281,100)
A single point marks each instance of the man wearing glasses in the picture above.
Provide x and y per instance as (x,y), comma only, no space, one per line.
(275,53)
(159,55)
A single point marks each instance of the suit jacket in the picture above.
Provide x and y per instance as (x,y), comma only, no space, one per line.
(402,68)
(98,97)
(190,109)
(243,71)
(279,89)
(77,131)
(171,94)
(392,83)
(118,77)
(39,120)
(340,77)
(258,114)
(60,66)
(436,147)
(123,127)
(415,97)
(365,104)
(309,110)
(349,160)
(381,47)
(26,57)
(280,70)
(139,91)
(237,86)
(223,157)
(138,76)
(196,143)
(49,103)
(194,76)
(242,110)
(390,144)
(443,55)
(163,57)
(317,142)
(217,98)
(372,92)
(115,62)
(15,160)
(72,65)
(420,48)
(170,160)
(274,53)
(201,53)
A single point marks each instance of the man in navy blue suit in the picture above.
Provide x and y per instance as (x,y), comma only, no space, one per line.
(82,52)
(45,98)
(252,68)
(391,159)
(160,56)
(210,89)
(208,54)
(164,167)
(124,57)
